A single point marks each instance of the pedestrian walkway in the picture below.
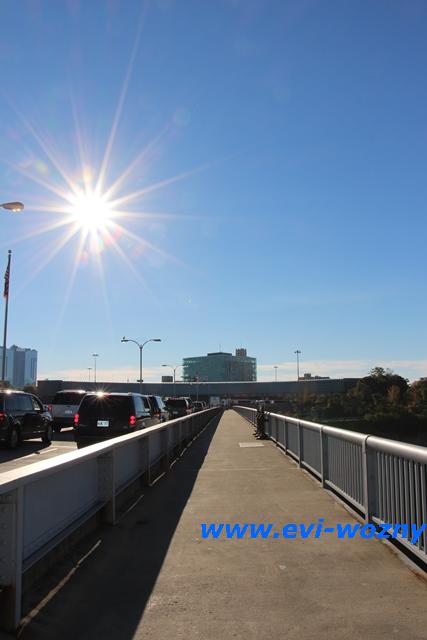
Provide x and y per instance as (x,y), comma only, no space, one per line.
(153,576)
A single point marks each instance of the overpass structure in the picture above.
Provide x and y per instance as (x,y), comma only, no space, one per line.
(156,575)
(226,390)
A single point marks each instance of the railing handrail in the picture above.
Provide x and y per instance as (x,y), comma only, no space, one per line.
(15,478)
(387,445)
(382,479)
(44,503)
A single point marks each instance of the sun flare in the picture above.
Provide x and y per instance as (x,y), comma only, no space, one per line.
(90,211)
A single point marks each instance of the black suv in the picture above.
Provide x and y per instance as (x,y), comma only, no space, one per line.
(179,407)
(158,408)
(23,416)
(107,415)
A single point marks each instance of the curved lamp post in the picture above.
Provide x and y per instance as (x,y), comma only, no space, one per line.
(140,346)
(174,372)
(15,207)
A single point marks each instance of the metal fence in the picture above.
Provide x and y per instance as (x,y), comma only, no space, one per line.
(43,503)
(384,480)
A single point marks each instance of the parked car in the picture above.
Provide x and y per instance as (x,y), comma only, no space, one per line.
(179,407)
(107,415)
(158,408)
(64,407)
(23,416)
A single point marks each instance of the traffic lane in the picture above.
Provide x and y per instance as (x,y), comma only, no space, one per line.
(31,451)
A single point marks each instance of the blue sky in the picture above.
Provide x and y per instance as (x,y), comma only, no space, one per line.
(297,132)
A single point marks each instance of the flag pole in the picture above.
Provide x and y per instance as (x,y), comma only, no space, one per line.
(6,295)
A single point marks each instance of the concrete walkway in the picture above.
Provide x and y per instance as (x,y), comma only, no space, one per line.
(152,576)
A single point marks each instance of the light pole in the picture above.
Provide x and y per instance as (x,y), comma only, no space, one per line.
(174,372)
(275,373)
(95,356)
(15,207)
(89,369)
(298,352)
(140,346)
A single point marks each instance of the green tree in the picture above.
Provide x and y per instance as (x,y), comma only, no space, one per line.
(30,388)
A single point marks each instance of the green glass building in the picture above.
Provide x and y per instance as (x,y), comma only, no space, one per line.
(220,367)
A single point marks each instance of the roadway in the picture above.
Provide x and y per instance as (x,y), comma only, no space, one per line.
(34,450)
(153,576)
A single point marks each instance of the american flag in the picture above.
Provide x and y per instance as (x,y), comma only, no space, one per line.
(6,279)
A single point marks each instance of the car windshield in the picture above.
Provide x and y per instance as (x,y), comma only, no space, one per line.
(68,398)
(107,406)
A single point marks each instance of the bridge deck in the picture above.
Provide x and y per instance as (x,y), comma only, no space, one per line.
(152,576)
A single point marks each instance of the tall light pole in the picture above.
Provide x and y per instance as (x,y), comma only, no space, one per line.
(140,346)
(15,207)
(298,352)
(95,356)
(174,367)
(89,369)
(6,307)
(275,373)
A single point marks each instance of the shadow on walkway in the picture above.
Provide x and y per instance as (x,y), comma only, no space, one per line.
(112,572)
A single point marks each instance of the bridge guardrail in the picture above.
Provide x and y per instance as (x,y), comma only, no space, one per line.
(43,503)
(383,480)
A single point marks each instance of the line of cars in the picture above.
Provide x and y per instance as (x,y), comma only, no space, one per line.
(94,416)
(102,415)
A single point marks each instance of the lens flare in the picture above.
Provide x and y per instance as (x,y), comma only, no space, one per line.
(90,211)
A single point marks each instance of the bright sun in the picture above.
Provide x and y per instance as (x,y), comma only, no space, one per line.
(90,211)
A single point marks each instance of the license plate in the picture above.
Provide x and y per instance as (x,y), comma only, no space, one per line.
(103,423)
(68,412)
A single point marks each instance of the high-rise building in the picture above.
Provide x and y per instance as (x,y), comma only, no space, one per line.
(220,367)
(21,366)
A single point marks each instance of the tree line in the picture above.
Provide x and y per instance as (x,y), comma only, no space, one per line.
(382,403)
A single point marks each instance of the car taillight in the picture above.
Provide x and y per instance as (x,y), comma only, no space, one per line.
(76,418)
(132,421)
(2,416)
(157,414)
(49,408)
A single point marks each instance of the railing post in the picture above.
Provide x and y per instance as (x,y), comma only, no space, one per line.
(181,445)
(106,486)
(285,436)
(11,551)
(165,446)
(323,456)
(300,444)
(369,481)
(144,445)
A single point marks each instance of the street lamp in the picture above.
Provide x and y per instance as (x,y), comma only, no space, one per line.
(298,352)
(174,371)
(275,372)
(89,369)
(95,356)
(140,346)
(15,207)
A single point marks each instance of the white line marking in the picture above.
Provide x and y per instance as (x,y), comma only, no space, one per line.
(250,444)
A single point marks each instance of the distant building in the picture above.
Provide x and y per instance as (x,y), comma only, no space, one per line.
(308,376)
(21,366)
(167,378)
(220,367)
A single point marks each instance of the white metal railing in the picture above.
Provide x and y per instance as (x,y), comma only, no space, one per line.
(384,480)
(42,503)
